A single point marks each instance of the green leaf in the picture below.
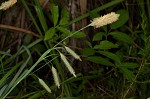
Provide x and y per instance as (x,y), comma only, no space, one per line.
(10,72)
(127,73)
(64,17)
(88,51)
(94,14)
(55,13)
(100,60)
(106,45)
(63,21)
(41,17)
(122,37)
(64,31)
(64,13)
(111,56)
(123,18)
(98,36)
(128,65)
(89,44)
(50,33)
(37,95)
(79,35)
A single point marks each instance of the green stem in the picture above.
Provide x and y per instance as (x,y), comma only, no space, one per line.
(71,35)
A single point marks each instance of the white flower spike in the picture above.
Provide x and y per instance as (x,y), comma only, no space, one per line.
(72,53)
(67,64)
(104,20)
(7,4)
(55,76)
(44,85)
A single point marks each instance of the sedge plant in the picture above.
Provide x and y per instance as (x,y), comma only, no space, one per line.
(96,23)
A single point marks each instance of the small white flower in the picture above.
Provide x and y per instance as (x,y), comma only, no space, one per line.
(72,53)
(55,76)
(104,20)
(67,64)
(44,85)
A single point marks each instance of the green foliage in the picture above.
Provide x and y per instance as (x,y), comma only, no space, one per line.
(111,55)
(99,60)
(115,61)
(123,18)
(64,17)
(122,37)
(55,14)
(99,36)
(49,34)
(105,45)
(88,51)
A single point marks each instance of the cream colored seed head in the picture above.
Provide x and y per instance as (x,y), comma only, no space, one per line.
(44,85)
(55,76)
(7,4)
(72,53)
(67,64)
(104,20)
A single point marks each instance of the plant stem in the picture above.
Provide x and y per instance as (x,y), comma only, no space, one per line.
(71,35)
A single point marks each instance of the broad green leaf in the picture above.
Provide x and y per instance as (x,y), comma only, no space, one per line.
(89,44)
(111,56)
(79,35)
(88,51)
(106,45)
(55,13)
(122,37)
(128,65)
(63,21)
(98,36)
(64,13)
(127,73)
(105,28)
(64,17)
(123,18)
(100,60)
(64,31)
(50,33)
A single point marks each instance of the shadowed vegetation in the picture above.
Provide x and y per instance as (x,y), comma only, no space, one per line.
(48,50)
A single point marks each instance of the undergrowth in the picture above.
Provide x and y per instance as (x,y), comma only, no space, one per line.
(38,60)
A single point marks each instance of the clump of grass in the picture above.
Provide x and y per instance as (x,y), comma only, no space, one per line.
(52,55)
